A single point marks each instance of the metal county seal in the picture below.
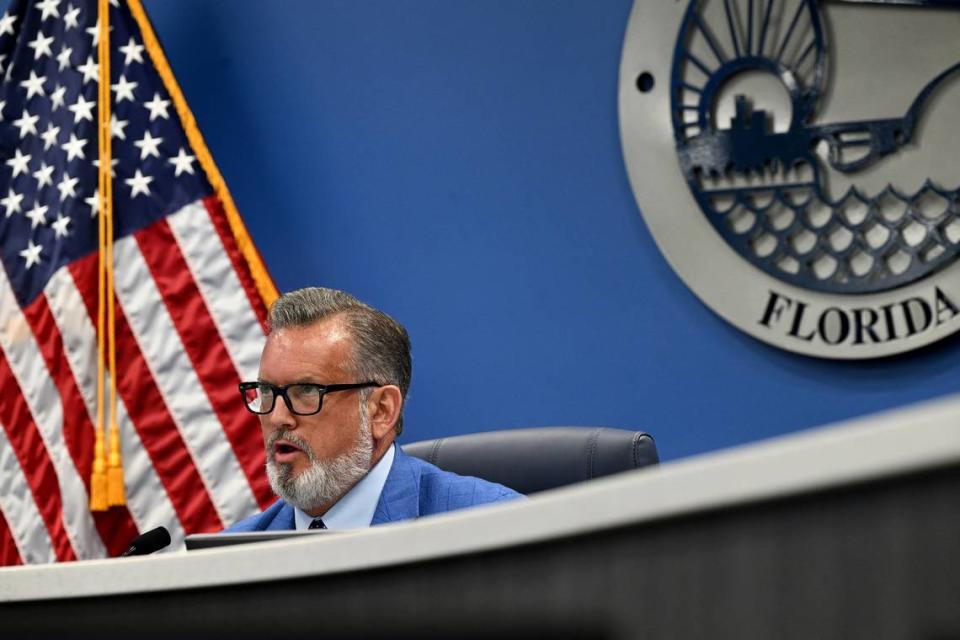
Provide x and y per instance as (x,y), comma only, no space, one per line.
(798,164)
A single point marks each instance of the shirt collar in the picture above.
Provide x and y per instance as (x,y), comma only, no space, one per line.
(356,508)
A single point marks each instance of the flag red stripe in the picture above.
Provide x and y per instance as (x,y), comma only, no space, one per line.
(222,225)
(34,459)
(9,554)
(149,415)
(116,527)
(207,353)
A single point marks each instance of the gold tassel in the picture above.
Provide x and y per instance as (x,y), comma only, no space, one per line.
(115,492)
(98,480)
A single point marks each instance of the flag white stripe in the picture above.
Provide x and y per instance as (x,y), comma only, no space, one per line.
(43,399)
(20,510)
(146,496)
(220,287)
(179,385)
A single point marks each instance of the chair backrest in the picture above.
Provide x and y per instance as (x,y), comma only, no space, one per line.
(531,460)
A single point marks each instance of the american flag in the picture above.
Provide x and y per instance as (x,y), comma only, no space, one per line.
(190,295)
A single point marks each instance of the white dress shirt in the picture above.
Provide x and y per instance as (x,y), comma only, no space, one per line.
(356,508)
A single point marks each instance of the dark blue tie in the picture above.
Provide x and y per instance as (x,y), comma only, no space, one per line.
(317,524)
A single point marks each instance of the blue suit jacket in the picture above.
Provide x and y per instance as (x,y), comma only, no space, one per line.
(413,488)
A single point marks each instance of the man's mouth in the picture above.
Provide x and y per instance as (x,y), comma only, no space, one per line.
(284,451)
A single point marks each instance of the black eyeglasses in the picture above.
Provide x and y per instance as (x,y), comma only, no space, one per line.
(302,398)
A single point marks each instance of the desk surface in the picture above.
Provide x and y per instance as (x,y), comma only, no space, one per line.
(884,446)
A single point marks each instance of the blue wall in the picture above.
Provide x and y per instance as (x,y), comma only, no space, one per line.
(457,163)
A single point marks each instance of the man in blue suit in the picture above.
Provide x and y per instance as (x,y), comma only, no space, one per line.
(334,375)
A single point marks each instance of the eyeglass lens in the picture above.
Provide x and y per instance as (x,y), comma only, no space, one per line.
(301,398)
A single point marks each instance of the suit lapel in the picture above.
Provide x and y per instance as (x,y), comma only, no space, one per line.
(400,498)
(282,521)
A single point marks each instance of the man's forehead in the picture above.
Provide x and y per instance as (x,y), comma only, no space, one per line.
(325,344)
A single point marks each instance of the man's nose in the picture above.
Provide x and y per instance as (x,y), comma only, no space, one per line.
(281,414)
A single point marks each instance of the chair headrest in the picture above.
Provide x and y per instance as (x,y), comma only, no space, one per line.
(531,460)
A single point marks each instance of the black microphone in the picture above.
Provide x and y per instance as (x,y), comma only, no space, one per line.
(148,542)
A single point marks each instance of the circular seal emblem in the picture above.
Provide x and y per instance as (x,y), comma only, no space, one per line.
(797,164)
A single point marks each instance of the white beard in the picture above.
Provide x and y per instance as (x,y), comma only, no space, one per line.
(324,481)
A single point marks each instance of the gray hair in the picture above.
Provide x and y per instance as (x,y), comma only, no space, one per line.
(381,346)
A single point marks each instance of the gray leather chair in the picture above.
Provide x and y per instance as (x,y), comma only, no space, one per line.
(531,460)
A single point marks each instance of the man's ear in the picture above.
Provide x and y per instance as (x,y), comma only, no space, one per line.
(383,409)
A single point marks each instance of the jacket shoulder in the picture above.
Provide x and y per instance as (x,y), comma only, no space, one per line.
(447,491)
(259,521)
